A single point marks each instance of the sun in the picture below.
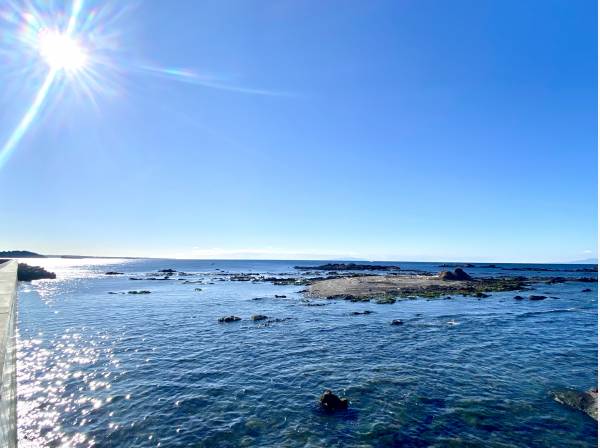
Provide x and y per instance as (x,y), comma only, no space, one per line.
(61,51)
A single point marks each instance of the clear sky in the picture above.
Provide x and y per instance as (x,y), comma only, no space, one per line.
(404,130)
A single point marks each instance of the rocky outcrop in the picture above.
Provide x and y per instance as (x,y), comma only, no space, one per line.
(457,275)
(330,402)
(583,401)
(26,273)
(349,267)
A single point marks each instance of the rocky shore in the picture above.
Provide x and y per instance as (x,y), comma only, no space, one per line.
(27,273)
(385,288)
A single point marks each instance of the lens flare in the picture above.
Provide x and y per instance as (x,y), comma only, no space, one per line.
(61,51)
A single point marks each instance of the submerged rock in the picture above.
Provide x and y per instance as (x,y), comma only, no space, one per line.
(385,301)
(458,274)
(280,297)
(139,292)
(257,317)
(359,313)
(397,322)
(586,290)
(26,273)
(534,297)
(330,402)
(582,401)
(113,273)
(227,319)
(481,295)
(519,298)
(168,271)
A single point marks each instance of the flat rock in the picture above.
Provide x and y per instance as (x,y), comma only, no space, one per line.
(583,401)
(227,319)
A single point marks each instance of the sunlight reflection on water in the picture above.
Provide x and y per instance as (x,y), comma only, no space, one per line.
(120,370)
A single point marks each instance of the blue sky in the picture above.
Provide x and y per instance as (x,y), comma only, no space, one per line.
(386,130)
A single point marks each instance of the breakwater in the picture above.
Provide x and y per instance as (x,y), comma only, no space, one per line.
(8,388)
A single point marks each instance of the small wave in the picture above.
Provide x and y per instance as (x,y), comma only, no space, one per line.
(556,310)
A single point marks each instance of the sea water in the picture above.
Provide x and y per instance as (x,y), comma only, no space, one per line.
(109,370)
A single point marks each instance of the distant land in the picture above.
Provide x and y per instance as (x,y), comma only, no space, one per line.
(19,254)
(30,254)
(586,261)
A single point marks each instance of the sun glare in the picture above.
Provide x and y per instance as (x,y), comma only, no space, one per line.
(60,51)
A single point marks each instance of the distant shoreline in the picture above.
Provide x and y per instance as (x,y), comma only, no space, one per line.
(30,254)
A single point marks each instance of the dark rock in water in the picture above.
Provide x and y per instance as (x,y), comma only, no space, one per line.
(397,322)
(537,297)
(586,290)
(458,274)
(112,292)
(280,297)
(330,402)
(135,278)
(139,292)
(359,313)
(257,317)
(584,279)
(556,280)
(582,401)
(228,319)
(197,289)
(454,265)
(519,298)
(113,273)
(385,301)
(482,295)
(349,267)
(26,273)
(168,271)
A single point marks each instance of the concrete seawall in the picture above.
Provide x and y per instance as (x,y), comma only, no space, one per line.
(8,358)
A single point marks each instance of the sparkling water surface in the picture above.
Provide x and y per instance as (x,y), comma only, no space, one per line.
(108,370)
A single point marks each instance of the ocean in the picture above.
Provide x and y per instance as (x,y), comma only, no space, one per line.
(100,367)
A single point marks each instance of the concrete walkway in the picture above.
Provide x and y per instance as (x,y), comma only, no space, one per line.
(8,360)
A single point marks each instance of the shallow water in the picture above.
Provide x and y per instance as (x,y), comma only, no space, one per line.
(158,370)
